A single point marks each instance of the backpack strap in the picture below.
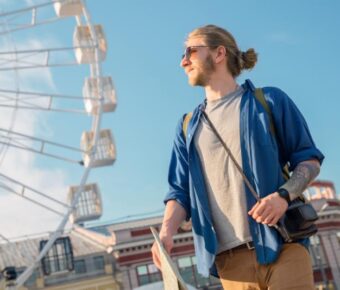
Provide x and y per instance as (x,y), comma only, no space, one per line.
(260,97)
(186,121)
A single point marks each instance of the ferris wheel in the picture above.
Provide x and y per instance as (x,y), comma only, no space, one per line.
(50,52)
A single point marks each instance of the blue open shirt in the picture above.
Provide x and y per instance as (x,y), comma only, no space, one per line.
(262,162)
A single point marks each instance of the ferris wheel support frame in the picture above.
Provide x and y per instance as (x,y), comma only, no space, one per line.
(95,69)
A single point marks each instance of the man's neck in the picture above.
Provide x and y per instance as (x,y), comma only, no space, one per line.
(219,87)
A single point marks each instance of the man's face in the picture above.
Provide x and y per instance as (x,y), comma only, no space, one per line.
(198,62)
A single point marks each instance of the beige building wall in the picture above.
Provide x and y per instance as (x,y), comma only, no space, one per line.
(104,283)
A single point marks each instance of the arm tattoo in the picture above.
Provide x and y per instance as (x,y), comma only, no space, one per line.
(303,174)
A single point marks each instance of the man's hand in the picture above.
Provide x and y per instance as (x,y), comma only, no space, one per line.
(269,210)
(173,216)
(168,244)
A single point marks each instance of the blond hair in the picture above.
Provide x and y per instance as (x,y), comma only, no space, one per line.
(216,36)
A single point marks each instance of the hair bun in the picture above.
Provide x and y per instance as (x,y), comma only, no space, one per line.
(249,59)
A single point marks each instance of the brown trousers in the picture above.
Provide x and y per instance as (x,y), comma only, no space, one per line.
(239,270)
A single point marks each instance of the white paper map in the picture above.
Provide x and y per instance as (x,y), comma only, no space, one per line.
(171,277)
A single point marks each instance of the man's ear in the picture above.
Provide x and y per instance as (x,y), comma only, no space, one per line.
(221,54)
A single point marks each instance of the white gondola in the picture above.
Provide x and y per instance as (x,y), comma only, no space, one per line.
(89,204)
(106,152)
(92,94)
(84,44)
(68,8)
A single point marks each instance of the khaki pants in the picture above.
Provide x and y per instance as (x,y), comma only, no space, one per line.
(239,270)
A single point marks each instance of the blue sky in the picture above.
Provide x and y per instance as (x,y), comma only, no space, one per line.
(297,42)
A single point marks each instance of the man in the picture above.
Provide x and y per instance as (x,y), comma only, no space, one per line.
(231,230)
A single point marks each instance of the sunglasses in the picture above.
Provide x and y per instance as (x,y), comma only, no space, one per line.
(191,49)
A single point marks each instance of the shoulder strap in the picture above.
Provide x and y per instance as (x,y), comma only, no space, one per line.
(186,121)
(260,97)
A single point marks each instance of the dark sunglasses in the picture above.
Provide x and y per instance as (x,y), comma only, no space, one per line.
(190,49)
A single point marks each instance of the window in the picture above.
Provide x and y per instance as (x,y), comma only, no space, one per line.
(187,270)
(203,281)
(142,273)
(99,262)
(59,258)
(148,274)
(317,253)
(80,266)
(187,267)
(153,273)
(31,280)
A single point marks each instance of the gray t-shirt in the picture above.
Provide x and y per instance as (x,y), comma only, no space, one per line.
(224,183)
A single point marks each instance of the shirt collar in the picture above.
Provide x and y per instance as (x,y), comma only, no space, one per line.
(248,85)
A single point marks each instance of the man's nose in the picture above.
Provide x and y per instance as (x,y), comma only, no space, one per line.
(184,62)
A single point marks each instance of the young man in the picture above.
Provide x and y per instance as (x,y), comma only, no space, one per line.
(231,230)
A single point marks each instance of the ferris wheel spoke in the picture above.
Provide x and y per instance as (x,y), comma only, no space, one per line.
(35,107)
(4,239)
(98,147)
(33,58)
(28,25)
(32,150)
(29,100)
(17,53)
(27,9)
(44,101)
(32,14)
(37,66)
(50,50)
(45,95)
(42,142)
(12,190)
(25,187)
(22,60)
(4,99)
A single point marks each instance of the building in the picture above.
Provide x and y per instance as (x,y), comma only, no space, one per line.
(325,245)
(93,268)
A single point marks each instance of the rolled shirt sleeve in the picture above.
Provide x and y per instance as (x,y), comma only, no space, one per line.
(295,141)
(178,176)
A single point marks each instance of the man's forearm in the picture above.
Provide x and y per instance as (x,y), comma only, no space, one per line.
(304,173)
(174,215)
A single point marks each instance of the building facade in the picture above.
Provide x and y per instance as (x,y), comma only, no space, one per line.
(325,245)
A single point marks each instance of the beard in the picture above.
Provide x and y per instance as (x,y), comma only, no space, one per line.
(203,72)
